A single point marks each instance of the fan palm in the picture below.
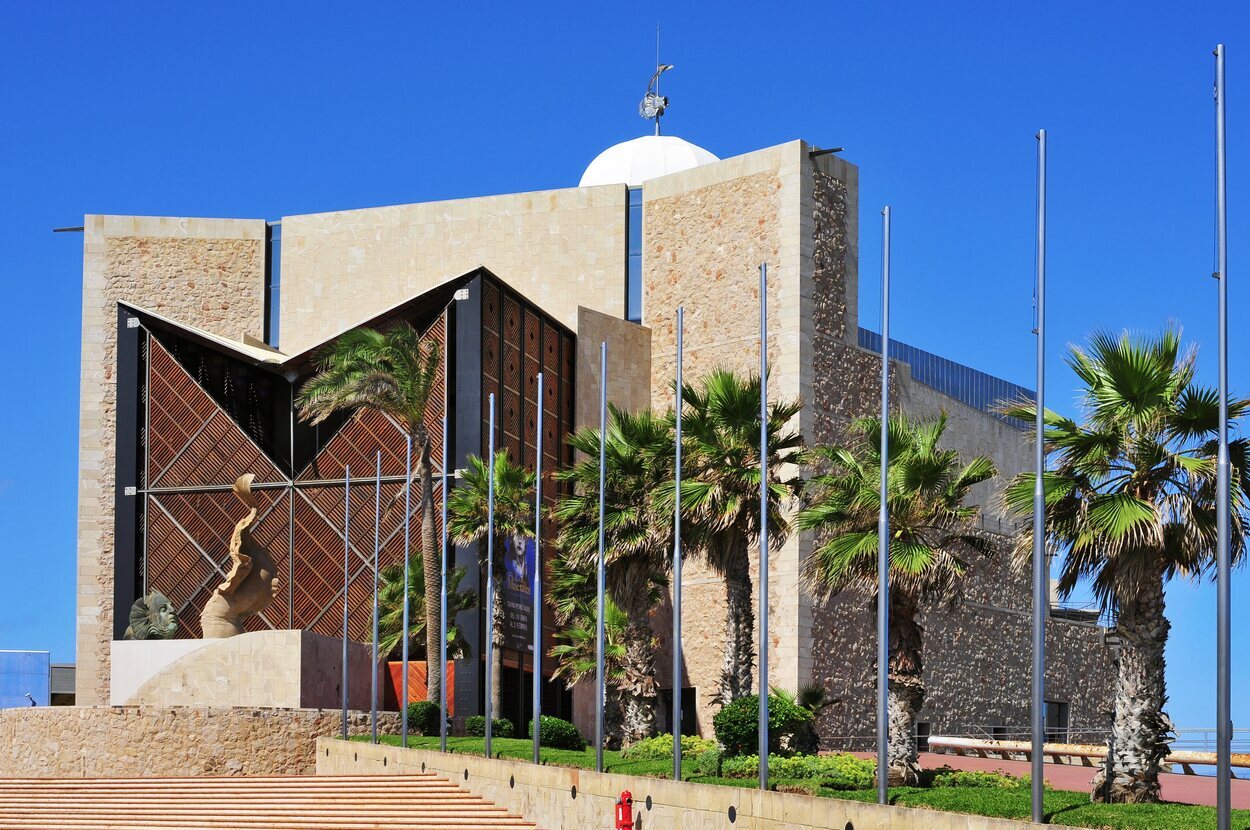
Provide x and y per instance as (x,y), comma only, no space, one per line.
(468,512)
(931,543)
(393,372)
(391,612)
(1130,500)
(721,497)
(638,462)
(573,597)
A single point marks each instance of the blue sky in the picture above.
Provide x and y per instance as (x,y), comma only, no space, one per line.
(260,110)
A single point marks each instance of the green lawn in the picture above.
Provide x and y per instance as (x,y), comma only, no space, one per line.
(1071,809)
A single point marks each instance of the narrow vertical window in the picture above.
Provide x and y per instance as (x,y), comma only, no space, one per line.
(273,281)
(633,270)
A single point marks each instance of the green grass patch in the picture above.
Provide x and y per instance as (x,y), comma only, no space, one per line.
(1071,809)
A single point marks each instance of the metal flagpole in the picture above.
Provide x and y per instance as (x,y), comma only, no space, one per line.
(600,684)
(676,718)
(763,621)
(442,600)
(1041,581)
(1223,566)
(490,576)
(536,715)
(403,693)
(347,548)
(883,531)
(377,545)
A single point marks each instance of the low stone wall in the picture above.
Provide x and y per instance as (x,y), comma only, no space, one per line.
(119,741)
(559,798)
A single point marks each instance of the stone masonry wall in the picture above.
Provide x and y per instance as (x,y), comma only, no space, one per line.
(126,741)
(204,272)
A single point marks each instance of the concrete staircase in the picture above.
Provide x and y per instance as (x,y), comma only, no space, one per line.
(402,802)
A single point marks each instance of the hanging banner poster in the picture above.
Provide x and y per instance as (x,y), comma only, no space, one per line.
(518,594)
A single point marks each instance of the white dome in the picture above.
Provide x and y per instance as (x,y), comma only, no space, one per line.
(634,162)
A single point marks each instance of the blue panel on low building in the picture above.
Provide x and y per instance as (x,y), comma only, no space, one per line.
(25,676)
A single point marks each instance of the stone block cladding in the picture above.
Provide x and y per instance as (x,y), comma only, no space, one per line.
(205,272)
(560,248)
(140,741)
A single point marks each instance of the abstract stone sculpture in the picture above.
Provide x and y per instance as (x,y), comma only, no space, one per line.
(251,583)
(151,618)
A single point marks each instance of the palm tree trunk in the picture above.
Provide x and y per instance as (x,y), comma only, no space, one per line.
(638,695)
(1140,727)
(496,635)
(738,669)
(430,563)
(907,692)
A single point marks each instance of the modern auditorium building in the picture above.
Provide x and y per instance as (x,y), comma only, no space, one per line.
(197,333)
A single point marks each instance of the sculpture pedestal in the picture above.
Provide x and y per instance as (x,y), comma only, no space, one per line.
(259,669)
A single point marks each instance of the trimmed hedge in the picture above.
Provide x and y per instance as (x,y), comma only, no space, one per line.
(737,725)
(836,772)
(423,717)
(947,777)
(475,727)
(557,734)
(661,747)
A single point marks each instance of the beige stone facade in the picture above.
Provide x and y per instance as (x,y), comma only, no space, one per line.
(205,272)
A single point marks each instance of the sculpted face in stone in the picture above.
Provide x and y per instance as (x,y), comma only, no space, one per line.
(252,582)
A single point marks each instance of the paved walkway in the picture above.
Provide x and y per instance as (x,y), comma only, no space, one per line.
(1187,789)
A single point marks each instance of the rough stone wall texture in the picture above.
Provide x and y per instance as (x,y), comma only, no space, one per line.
(205,272)
(278,669)
(561,248)
(560,798)
(125,741)
(629,364)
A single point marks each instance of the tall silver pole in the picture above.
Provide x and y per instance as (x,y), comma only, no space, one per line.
(763,622)
(1223,560)
(490,577)
(403,693)
(377,546)
(347,548)
(1041,580)
(600,680)
(448,463)
(883,531)
(536,715)
(676,647)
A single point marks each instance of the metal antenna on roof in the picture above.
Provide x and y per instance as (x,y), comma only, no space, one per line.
(653,103)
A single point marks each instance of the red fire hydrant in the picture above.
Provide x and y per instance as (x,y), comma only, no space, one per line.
(624,812)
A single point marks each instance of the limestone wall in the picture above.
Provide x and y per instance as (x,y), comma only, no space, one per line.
(560,248)
(559,798)
(204,272)
(124,741)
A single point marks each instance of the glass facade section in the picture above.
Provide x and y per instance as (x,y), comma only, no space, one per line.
(273,281)
(977,389)
(633,259)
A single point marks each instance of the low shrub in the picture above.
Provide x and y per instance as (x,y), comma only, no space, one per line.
(708,763)
(947,777)
(836,772)
(423,717)
(557,733)
(737,725)
(661,747)
(475,727)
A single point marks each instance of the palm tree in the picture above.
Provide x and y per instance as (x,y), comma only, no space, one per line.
(720,497)
(638,456)
(1130,500)
(393,372)
(391,612)
(467,517)
(931,541)
(574,600)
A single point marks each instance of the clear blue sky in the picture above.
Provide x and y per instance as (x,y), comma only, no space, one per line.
(260,110)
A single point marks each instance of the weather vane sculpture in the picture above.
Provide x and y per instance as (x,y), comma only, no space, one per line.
(653,103)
